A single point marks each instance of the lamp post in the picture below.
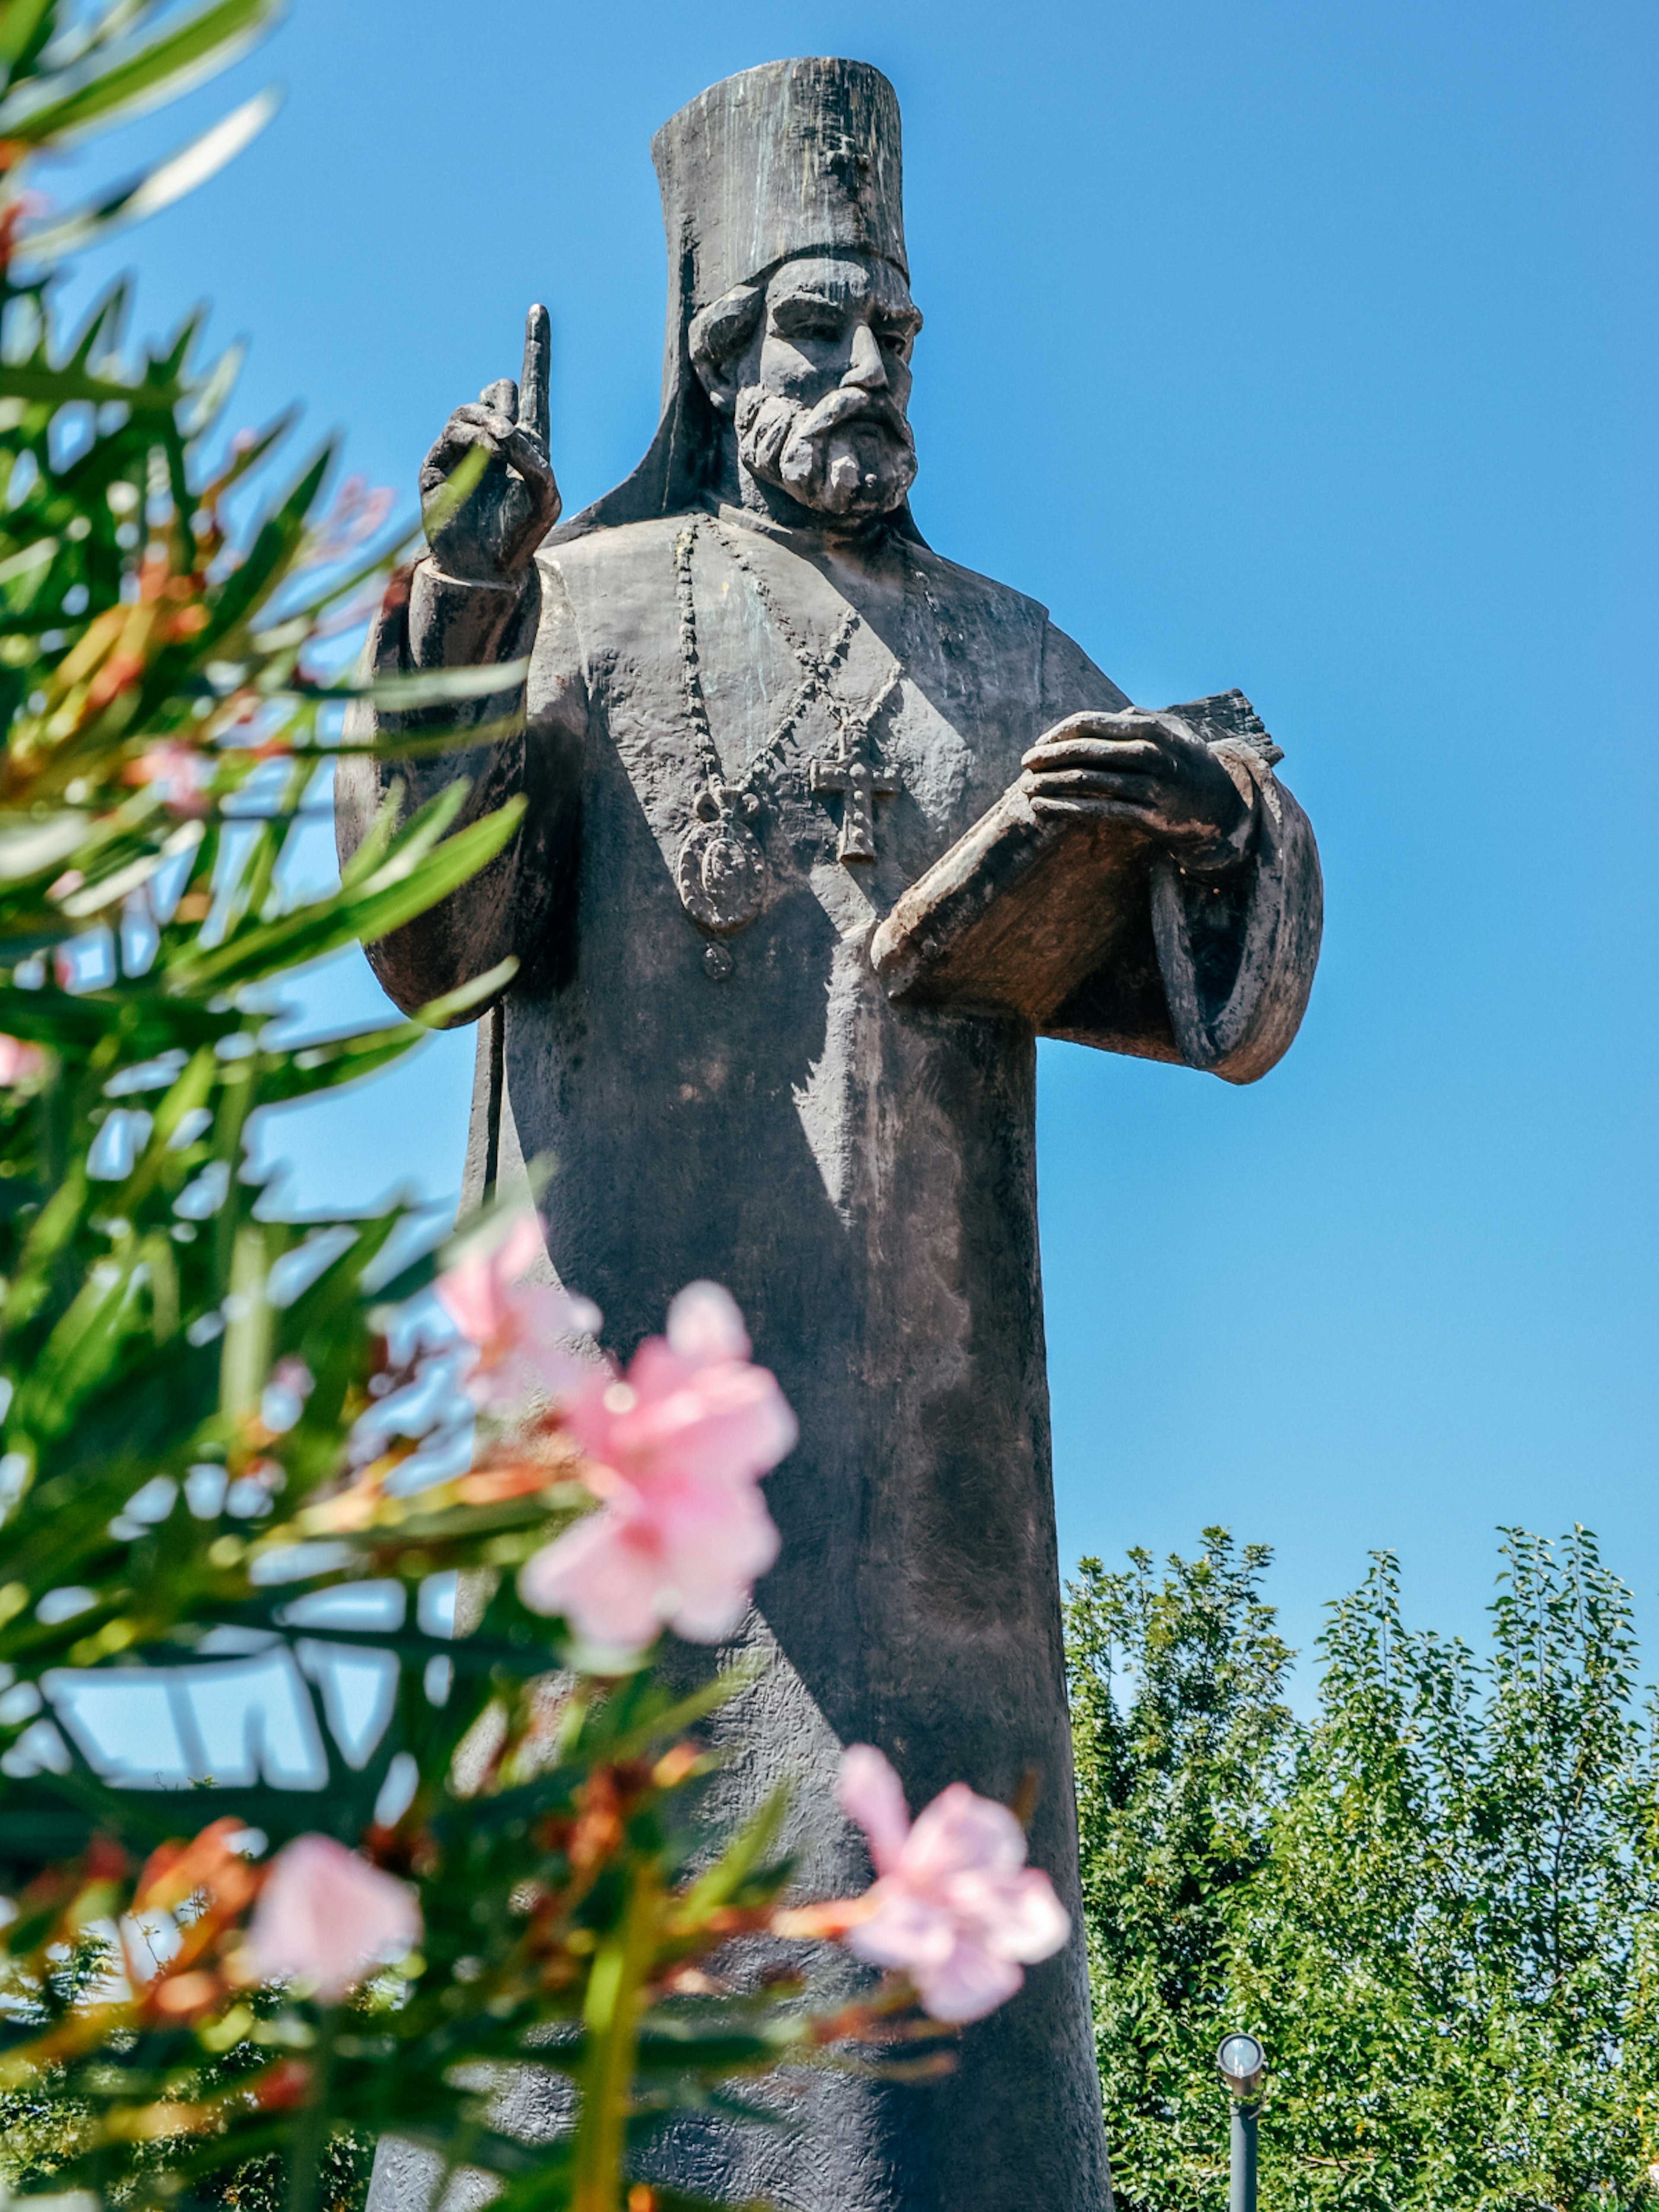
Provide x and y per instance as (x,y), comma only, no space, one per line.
(1243,2062)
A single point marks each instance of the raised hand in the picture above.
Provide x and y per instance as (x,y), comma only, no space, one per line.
(1142,768)
(492,538)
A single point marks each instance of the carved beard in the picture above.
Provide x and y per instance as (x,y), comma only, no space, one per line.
(852,454)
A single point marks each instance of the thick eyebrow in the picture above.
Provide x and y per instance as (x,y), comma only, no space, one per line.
(808,303)
(907,320)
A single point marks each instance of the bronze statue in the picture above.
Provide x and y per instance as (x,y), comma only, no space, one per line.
(821,831)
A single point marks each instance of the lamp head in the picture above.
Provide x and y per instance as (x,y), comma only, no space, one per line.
(1243,2062)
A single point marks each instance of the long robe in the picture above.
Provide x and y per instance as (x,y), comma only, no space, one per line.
(861,1176)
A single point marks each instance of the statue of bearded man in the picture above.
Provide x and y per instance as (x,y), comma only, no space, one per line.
(784,765)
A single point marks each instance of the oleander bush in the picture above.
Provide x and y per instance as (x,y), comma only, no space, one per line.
(230,1433)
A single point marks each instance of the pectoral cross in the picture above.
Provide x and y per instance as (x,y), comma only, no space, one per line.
(858,786)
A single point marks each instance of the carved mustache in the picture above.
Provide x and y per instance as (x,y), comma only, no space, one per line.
(848,404)
(771,426)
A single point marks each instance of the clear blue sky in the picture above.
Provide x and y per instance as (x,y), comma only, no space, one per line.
(1304,348)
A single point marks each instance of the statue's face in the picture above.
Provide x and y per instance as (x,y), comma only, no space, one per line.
(823,385)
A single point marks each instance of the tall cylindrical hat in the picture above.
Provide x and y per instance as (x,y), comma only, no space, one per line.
(793,158)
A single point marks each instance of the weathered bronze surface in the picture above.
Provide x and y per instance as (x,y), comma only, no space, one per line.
(768,732)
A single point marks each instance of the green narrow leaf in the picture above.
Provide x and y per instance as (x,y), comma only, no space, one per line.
(34,381)
(396,895)
(21,24)
(332,1064)
(109,86)
(250,456)
(118,21)
(404,745)
(104,891)
(20,567)
(377,841)
(157,188)
(170,361)
(418,836)
(456,488)
(442,1013)
(275,545)
(102,329)
(434,687)
(215,388)
(25,30)
(193,1088)
(57,1224)
(460,858)
(673,1720)
(739,1858)
(31,844)
(78,1352)
(246,1359)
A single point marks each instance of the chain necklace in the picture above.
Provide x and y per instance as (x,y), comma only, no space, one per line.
(720,870)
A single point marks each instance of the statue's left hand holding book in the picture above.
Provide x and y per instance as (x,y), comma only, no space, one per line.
(1089,900)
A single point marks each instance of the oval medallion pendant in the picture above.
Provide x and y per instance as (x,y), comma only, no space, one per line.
(721,874)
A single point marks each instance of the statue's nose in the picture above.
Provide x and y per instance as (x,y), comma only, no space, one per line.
(867,369)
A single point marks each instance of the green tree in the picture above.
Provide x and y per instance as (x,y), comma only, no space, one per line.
(1181,1735)
(1444,1927)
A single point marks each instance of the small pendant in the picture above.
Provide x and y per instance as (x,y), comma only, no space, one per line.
(721,870)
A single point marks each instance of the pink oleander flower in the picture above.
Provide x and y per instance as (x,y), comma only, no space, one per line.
(19,1062)
(515,1327)
(954,1903)
(675,1451)
(328,1918)
(179,775)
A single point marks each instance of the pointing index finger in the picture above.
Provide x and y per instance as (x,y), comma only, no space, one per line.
(532,384)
